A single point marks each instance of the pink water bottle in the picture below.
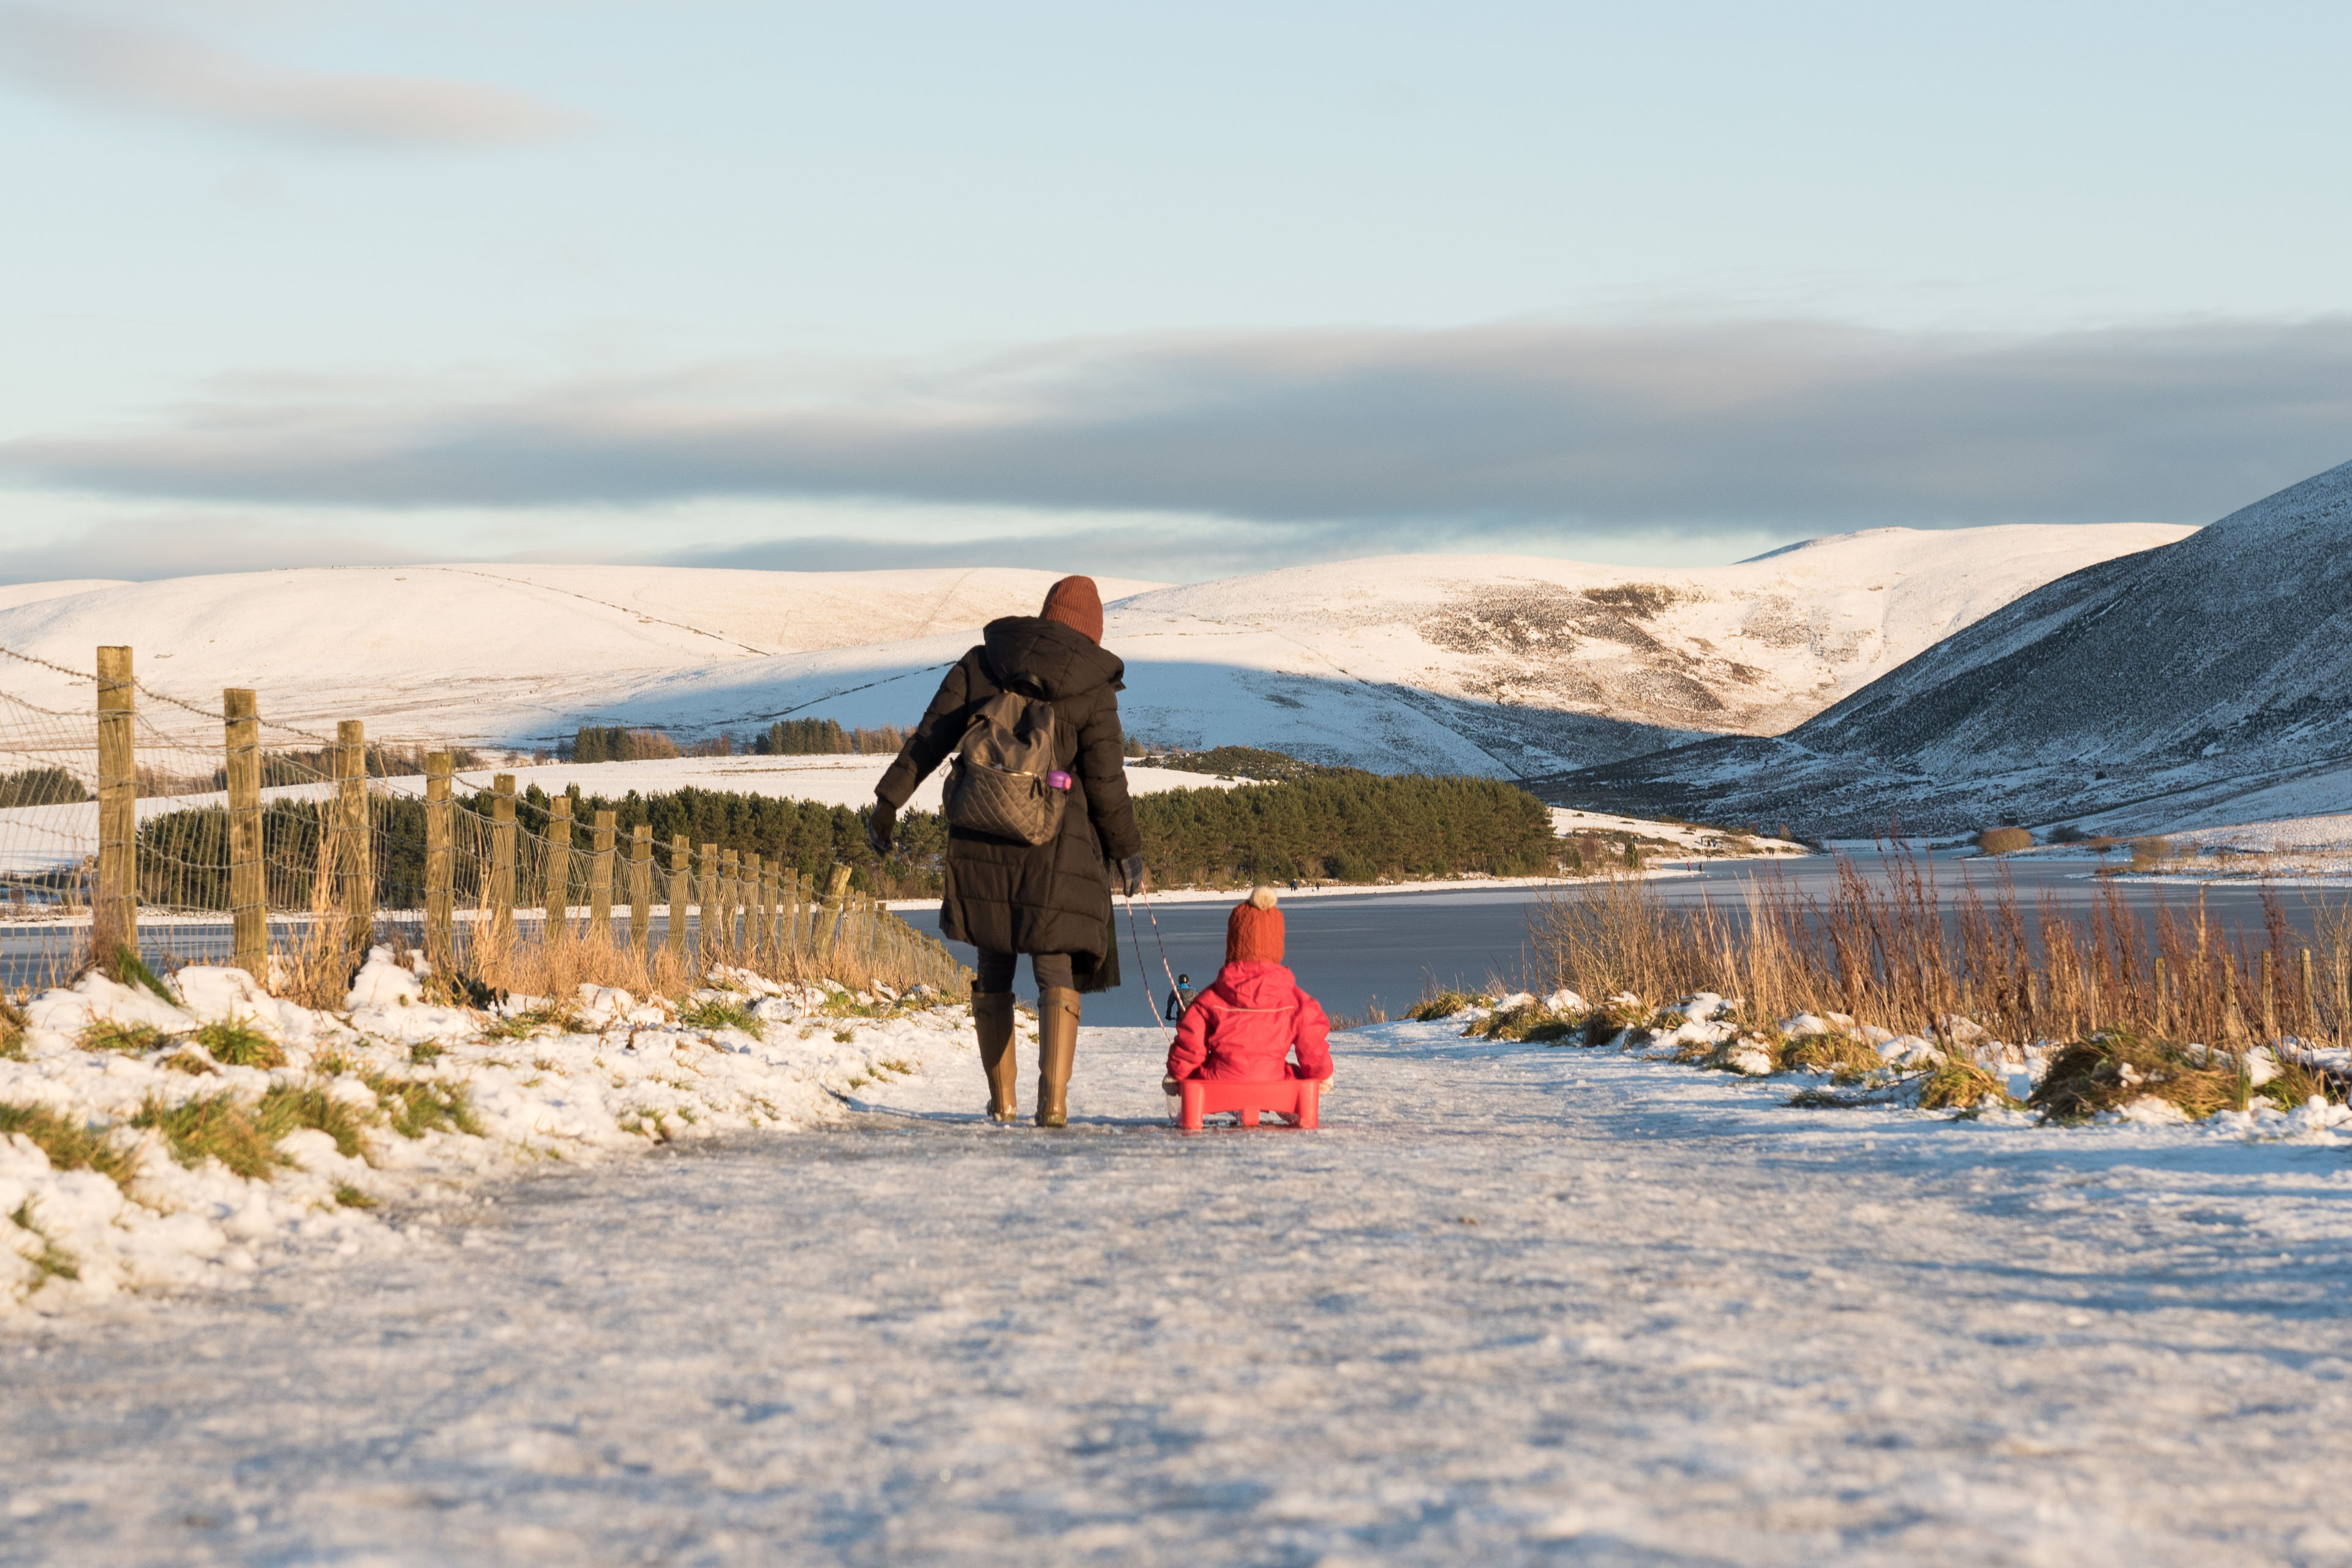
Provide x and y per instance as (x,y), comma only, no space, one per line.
(1058,779)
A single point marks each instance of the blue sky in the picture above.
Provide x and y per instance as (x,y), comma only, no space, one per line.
(1172,291)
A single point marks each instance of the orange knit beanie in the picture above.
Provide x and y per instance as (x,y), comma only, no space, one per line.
(1253,930)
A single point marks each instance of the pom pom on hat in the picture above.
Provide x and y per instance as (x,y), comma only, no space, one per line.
(1253,930)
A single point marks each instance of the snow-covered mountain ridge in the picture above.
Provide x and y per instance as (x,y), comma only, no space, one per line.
(2208,680)
(1493,665)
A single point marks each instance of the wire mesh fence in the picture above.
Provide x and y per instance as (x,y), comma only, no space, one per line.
(152,825)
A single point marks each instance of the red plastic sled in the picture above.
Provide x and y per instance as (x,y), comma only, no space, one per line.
(1293,1097)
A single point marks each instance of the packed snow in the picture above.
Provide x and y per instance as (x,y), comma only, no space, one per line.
(1513,1303)
(601,1074)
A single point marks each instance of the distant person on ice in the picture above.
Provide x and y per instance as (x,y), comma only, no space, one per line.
(1254,1016)
(1034,712)
(1180,998)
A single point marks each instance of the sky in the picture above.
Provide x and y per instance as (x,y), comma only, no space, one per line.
(1159,291)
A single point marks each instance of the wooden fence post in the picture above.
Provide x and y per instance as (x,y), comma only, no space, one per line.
(763,932)
(679,875)
(791,898)
(707,951)
(641,889)
(114,900)
(555,887)
(354,856)
(599,880)
(837,910)
(248,900)
(440,863)
(730,894)
(502,859)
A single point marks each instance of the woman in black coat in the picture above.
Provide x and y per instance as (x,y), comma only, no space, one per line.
(1050,900)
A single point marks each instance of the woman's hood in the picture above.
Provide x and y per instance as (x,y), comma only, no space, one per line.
(1028,653)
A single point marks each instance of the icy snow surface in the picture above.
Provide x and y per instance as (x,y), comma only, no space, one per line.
(1512,1303)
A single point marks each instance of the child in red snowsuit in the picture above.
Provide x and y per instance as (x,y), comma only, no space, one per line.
(1248,1023)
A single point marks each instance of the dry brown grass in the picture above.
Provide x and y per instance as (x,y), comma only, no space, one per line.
(1886,951)
(2004,840)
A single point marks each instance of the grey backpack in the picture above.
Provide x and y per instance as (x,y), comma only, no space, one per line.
(998,783)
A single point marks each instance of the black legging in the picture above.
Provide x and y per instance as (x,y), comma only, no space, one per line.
(994,971)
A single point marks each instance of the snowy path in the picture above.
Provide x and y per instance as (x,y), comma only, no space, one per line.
(1513,1303)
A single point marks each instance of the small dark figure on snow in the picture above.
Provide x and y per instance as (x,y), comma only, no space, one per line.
(1180,999)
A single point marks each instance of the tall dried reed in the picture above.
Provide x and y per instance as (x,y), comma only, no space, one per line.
(1889,950)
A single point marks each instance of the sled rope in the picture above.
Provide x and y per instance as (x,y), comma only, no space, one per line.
(1165,967)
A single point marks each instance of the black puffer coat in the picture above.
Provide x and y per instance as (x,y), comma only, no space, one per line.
(1041,897)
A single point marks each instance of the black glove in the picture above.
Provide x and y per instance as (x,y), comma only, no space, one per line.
(879,822)
(1130,875)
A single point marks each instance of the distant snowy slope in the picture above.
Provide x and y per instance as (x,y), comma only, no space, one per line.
(1486,664)
(1494,665)
(15,594)
(2148,689)
(486,652)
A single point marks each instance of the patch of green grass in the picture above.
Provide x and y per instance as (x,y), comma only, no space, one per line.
(12,1032)
(71,1145)
(234,1042)
(710,1013)
(1528,1021)
(426,1051)
(1604,1023)
(332,1064)
(1446,1004)
(1842,1057)
(53,1261)
(2293,1085)
(350,1197)
(130,1039)
(192,1063)
(125,967)
(1955,1084)
(893,1065)
(2110,1070)
(219,1127)
(288,1108)
(561,1016)
(416,1105)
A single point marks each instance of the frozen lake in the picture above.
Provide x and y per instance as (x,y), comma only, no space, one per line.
(1350,949)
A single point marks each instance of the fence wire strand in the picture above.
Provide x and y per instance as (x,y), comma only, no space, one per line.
(528,910)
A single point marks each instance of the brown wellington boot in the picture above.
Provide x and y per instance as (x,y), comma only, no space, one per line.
(1057,1050)
(992,1016)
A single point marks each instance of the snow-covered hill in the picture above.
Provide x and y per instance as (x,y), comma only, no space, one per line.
(2210,681)
(497,653)
(1494,665)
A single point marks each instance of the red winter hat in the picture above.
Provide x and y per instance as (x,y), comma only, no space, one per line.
(1253,930)
(1078,604)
